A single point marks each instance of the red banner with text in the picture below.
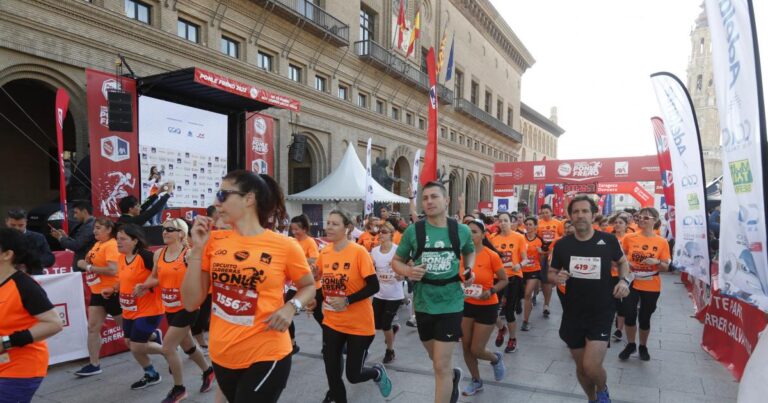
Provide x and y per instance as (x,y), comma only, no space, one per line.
(259,144)
(245,90)
(627,169)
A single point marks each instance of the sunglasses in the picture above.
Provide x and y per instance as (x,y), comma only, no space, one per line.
(222,195)
(645,217)
(171,229)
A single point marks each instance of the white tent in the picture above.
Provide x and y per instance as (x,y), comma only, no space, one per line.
(346,183)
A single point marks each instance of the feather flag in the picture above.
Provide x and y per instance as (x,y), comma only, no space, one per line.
(441,53)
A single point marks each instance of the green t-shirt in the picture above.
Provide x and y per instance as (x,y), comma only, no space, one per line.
(437,299)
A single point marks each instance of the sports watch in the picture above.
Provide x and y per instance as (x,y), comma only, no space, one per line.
(296,304)
(6,343)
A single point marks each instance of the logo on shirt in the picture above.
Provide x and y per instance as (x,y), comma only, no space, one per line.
(601,242)
(220,252)
(242,255)
(346,265)
(266,258)
(335,266)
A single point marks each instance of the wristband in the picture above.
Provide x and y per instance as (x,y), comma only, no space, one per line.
(20,338)
(89,268)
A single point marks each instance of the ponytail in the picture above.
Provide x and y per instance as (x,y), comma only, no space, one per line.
(270,200)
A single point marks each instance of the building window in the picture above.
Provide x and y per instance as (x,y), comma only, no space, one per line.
(138,11)
(396,113)
(698,82)
(264,60)
(321,83)
(510,113)
(458,88)
(367,19)
(424,60)
(453,136)
(362,100)
(482,148)
(230,47)
(701,46)
(422,123)
(477,145)
(461,140)
(500,110)
(188,30)
(380,106)
(469,143)
(409,118)
(343,92)
(474,92)
(294,73)
(488,102)
(443,132)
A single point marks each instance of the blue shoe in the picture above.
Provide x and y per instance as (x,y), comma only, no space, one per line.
(474,386)
(384,383)
(89,370)
(602,396)
(158,336)
(498,369)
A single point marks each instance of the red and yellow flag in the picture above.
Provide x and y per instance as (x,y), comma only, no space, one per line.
(414,34)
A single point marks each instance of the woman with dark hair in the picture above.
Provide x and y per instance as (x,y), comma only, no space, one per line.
(27,318)
(481,309)
(142,307)
(387,301)
(300,230)
(247,267)
(532,270)
(100,266)
(512,246)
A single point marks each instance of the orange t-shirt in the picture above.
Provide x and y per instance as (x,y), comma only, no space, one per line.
(130,274)
(634,227)
(534,257)
(614,268)
(368,241)
(487,263)
(513,248)
(100,255)
(309,246)
(170,275)
(637,248)
(21,298)
(248,274)
(550,230)
(344,274)
(396,237)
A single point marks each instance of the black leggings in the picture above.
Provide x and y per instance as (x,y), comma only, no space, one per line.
(512,294)
(647,300)
(384,312)
(287,297)
(357,350)
(318,312)
(263,381)
(203,317)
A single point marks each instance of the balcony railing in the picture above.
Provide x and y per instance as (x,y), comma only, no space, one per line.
(399,68)
(320,22)
(473,111)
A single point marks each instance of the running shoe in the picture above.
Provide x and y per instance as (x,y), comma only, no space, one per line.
(158,336)
(411,322)
(177,394)
(384,383)
(456,381)
(475,385)
(328,398)
(546,311)
(628,350)
(208,378)
(498,368)
(500,336)
(389,356)
(146,380)
(89,370)
(617,335)
(525,327)
(643,352)
(296,349)
(395,328)
(511,346)
(603,397)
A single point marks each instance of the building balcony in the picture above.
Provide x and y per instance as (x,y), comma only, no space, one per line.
(313,19)
(474,112)
(399,68)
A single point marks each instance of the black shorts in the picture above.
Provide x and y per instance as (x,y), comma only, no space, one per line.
(182,318)
(482,314)
(531,275)
(576,330)
(441,327)
(384,312)
(139,330)
(111,304)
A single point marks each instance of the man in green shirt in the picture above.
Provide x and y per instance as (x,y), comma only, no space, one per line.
(438,297)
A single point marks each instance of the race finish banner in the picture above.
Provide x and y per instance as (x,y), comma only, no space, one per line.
(738,85)
(691,252)
(590,170)
(259,144)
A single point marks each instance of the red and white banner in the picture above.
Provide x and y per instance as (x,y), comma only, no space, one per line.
(665,166)
(114,156)
(66,294)
(62,263)
(633,189)
(627,169)
(62,104)
(214,80)
(259,144)
(429,169)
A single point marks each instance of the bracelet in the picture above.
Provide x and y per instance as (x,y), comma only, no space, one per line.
(20,338)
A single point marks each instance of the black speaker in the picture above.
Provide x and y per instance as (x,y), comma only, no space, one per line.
(298,148)
(120,111)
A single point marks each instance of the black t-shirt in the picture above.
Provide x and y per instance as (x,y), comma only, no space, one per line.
(589,290)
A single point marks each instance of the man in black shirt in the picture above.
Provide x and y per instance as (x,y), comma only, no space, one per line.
(133,213)
(17,218)
(80,239)
(582,262)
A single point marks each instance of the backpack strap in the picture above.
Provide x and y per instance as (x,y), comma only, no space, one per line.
(453,235)
(421,238)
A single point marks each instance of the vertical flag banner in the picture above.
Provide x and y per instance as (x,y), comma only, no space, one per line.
(449,69)
(415,175)
(415,31)
(368,180)
(259,144)
(691,252)
(441,53)
(429,172)
(665,168)
(400,25)
(743,270)
(62,104)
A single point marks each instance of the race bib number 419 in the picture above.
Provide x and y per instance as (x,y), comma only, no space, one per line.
(587,268)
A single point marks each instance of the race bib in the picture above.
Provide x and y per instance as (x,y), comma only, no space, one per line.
(473,291)
(506,257)
(92,279)
(587,268)
(386,277)
(548,236)
(171,297)
(332,293)
(128,302)
(234,304)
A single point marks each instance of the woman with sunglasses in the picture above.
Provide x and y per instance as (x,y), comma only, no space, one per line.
(247,267)
(167,275)
(648,254)
(390,295)
(100,266)
(620,226)
(481,309)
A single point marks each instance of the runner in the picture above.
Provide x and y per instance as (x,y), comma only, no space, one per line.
(168,273)
(481,309)
(248,267)
(619,224)
(583,262)
(532,270)
(370,237)
(28,318)
(512,246)
(300,229)
(390,295)
(349,279)
(100,265)
(648,255)
(435,245)
(549,231)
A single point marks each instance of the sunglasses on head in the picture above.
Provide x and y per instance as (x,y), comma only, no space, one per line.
(222,195)
(171,229)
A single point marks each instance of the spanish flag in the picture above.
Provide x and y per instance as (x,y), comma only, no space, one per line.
(414,34)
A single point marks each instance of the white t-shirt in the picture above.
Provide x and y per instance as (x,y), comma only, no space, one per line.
(389,287)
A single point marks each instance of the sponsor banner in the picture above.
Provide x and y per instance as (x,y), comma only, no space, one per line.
(691,251)
(259,144)
(62,104)
(665,167)
(633,189)
(65,291)
(743,260)
(62,263)
(485,207)
(580,188)
(245,90)
(628,169)
(415,175)
(114,159)
(368,180)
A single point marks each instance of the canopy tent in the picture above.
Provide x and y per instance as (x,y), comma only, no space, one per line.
(346,183)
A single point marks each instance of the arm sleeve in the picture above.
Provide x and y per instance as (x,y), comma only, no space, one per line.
(664,253)
(33,296)
(145,215)
(148,201)
(371,287)
(405,247)
(313,252)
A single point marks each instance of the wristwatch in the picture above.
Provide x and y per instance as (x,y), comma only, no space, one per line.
(629,278)
(89,268)
(6,343)
(296,304)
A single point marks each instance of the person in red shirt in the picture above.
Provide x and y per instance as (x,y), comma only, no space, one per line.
(27,318)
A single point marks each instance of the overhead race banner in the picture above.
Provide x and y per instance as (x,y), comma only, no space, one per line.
(691,252)
(590,170)
(259,143)
(223,83)
(634,189)
(665,166)
(738,85)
